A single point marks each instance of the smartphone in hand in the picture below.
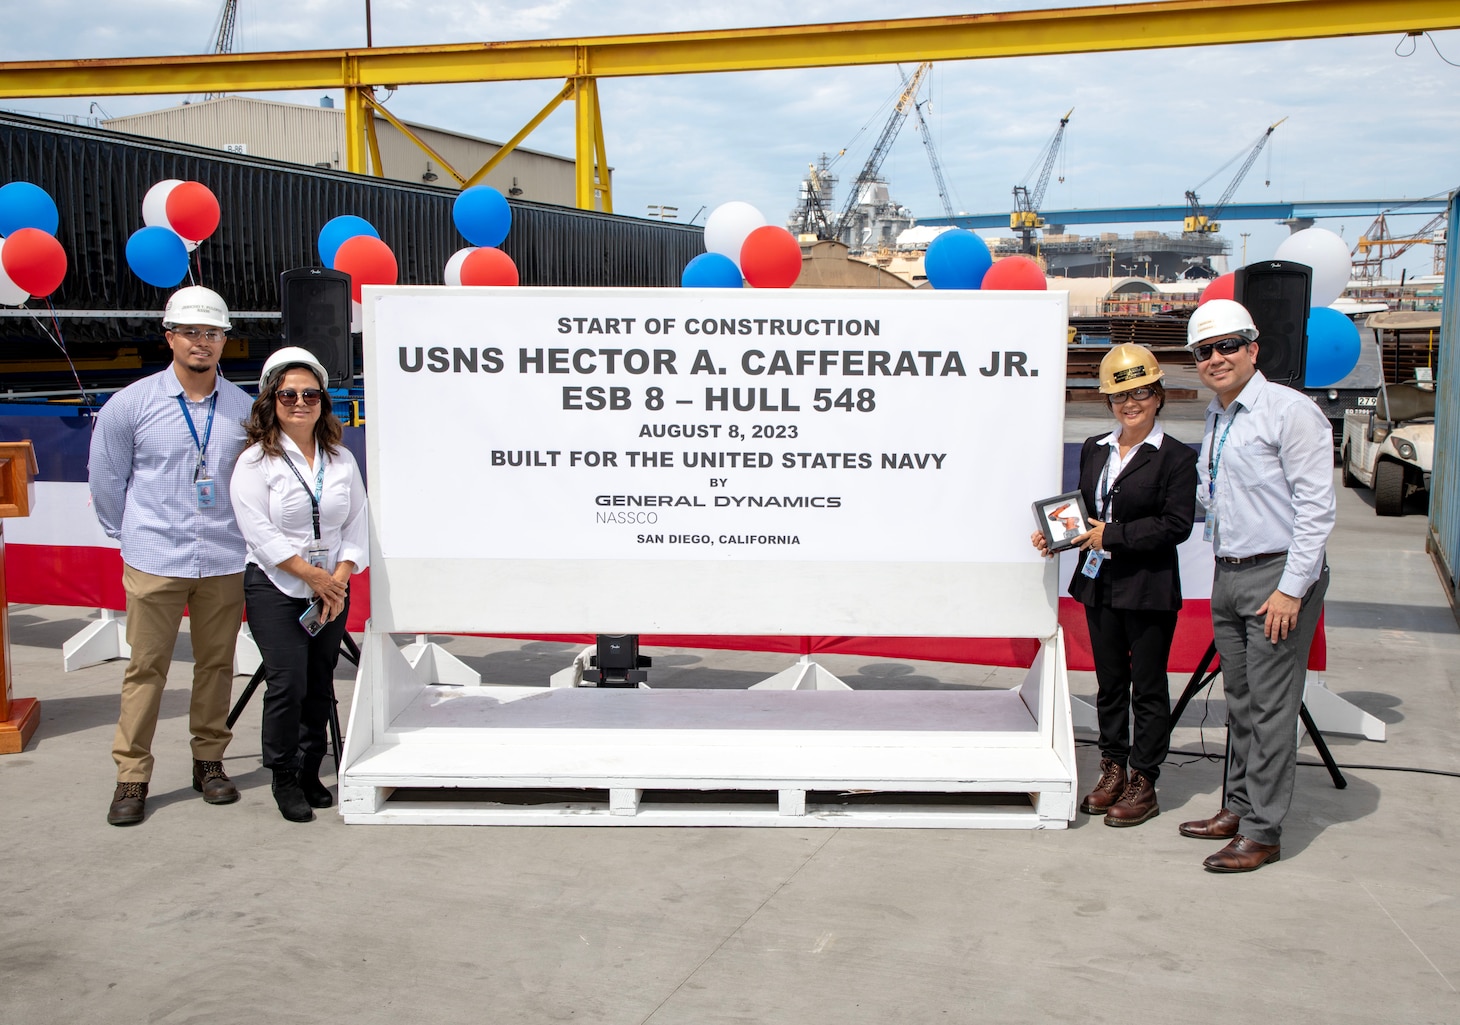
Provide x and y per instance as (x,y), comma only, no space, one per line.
(313,618)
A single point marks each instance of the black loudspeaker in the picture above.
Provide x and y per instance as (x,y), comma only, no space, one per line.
(315,309)
(1278,294)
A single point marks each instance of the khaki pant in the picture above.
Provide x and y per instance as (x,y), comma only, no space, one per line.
(154,614)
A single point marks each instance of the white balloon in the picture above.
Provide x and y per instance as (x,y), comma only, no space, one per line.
(154,204)
(453,265)
(11,294)
(1327,254)
(727,227)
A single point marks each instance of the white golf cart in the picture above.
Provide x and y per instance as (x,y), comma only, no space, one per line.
(1391,448)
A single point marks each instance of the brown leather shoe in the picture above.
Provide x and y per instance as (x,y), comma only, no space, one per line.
(129,804)
(1242,855)
(1107,791)
(1137,804)
(213,783)
(1221,826)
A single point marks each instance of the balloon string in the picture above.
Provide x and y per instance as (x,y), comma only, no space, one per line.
(57,340)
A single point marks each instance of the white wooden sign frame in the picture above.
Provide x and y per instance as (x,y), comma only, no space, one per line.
(880,483)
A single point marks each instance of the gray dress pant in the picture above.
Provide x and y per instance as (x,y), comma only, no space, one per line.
(1263,682)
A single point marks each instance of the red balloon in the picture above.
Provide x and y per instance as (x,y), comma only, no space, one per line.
(488,266)
(770,257)
(34,260)
(192,210)
(1014,274)
(1218,288)
(368,261)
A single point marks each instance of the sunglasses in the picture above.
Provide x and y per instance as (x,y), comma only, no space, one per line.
(289,397)
(208,334)
(1139,394)
(1226,347)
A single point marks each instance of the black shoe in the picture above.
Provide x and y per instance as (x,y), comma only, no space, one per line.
(290,798)
(213,783)
(316,793)
(129,804)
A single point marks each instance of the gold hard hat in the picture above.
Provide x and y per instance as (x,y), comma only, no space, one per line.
(1128,366)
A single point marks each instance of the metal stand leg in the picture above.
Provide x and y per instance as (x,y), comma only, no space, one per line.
(351,652)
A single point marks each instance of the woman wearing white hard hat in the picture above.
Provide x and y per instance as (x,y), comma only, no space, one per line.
(1140,485)
(300,503)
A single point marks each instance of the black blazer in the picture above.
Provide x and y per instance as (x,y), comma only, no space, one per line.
(1152,507)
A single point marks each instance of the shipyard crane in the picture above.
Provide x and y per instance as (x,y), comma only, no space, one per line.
(1025,219)
(906,101)
(1204,222)
(933,162)
(1369,255)
(223,33)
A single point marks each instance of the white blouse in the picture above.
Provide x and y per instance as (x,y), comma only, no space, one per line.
(276,516)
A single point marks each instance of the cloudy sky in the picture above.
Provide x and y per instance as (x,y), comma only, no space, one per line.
(1369,117)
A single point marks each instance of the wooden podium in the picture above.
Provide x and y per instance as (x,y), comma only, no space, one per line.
(18,716)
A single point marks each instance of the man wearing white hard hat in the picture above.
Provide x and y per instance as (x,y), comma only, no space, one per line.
(301,505)
(1265,478)
(161,458)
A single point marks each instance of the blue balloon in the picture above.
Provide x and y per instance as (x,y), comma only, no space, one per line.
(1333,348)
(482,215)
(339,230)
(157,255)
(957,259)
(711,270)
(23,205)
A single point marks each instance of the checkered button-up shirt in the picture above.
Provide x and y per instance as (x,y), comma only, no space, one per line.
(142,466)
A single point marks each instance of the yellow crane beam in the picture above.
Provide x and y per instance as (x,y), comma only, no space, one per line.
(1127,26)
(580,62)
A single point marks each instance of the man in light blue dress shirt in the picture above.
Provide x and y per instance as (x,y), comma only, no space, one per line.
(162,455)
(1265,477)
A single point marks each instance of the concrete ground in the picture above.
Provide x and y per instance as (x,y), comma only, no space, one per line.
(230,914)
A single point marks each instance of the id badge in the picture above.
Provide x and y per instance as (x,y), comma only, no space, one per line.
(207,495)
(316,554)
(1093,563)
(1209,530)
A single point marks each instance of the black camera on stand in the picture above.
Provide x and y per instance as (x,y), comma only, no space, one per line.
(617,663)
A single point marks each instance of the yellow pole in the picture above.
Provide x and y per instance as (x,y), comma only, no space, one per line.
(585,99)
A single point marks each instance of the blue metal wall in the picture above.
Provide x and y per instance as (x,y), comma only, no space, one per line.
(1444,537)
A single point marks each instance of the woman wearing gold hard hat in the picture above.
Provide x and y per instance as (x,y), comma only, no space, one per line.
(1140,485)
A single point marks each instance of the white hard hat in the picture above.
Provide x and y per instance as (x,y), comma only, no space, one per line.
(292,356)
(1218,317)
(196,305)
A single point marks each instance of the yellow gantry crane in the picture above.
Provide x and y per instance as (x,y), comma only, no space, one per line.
(580,63)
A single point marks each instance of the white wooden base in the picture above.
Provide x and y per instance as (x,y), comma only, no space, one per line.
(434,664)
(98,642)
(246,655)
(424,753)
(1333,714)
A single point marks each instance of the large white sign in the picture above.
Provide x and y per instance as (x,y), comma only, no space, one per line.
(590,430)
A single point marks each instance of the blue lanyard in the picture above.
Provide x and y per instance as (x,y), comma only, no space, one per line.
(1214,457)
(201,466)
(1104,495)
(318,493)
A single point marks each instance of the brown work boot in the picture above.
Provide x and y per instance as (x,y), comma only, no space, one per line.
(129,804)
(1107,791)
(213,783)
(1137,804)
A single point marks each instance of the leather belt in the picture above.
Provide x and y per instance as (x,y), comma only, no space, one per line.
(1246,560)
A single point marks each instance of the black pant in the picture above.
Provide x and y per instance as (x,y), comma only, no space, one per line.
(1131,648)
(298,671)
